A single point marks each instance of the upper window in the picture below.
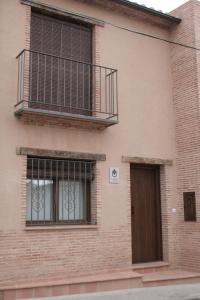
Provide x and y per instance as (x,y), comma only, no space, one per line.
(60,70)
(56,76)
(59,191)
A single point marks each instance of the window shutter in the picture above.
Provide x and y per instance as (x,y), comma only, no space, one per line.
(55,81)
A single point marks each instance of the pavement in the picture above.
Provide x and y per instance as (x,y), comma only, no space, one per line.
(173,292)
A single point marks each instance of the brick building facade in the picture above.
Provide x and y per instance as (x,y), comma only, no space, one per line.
(63,214)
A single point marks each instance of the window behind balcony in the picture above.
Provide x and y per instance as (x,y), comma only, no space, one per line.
(58,79)
(59,191)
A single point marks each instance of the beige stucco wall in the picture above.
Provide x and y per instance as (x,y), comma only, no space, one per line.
(145,129)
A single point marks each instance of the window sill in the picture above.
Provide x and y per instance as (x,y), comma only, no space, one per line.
(59,227)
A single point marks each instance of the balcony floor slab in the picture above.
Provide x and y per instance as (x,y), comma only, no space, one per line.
(44,117)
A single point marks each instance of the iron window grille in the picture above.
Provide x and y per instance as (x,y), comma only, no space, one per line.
(59,191)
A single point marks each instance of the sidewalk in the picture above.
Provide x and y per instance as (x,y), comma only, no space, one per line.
(173,292)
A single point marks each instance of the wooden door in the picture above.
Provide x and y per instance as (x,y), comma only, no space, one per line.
(146,213)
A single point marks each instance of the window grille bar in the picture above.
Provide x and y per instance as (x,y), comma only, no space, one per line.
(85,194)
(44,188)
(68,190)
(38,191)
(32,191)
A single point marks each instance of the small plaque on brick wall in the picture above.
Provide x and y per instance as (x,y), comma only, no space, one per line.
(114,175)
(189,206)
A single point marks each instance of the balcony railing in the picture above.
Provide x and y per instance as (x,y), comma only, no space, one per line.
(66,87)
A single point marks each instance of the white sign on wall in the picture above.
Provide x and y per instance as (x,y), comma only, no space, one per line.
(114,175)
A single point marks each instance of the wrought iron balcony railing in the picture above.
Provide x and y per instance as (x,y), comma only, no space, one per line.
(58,85)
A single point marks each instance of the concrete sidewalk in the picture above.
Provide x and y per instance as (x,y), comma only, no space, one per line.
(173,292)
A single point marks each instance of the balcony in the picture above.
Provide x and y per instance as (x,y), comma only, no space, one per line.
(61,91)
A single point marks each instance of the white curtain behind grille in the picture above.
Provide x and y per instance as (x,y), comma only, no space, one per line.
(71,200)
(39,200)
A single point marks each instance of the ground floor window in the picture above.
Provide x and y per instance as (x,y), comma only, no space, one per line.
(59,191)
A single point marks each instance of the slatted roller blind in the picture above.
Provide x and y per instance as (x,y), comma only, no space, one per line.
(56,82)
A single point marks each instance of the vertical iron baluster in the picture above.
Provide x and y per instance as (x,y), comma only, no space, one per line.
(113,79)
(89,92)
(84,105)
(116,75)
(23,66)
(38,66)
(94,85)
(114,88)
(64,83)
(106,104)
(51,79)
(85,193)
(56,183)
(90,186)
(100,87)
(38,200)
(31,76)
(74,191)
(92,89)
(61,61)
(63,183)
(52,41)
(70,72)
(111,91)
(18,80)
(52,199)
(70,85)
(21,78)
(77,105)
(80,190)
(58,84)
(45,63)
(68,187)
(42,56)
(61,40)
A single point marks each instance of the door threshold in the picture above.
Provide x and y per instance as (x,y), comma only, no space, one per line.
(150,266)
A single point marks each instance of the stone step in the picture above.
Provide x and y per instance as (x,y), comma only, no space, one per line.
(85,284)
(170,277)
(105,281)
(151,267)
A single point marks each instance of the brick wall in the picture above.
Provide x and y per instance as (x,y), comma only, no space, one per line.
(185,73)
(55,253)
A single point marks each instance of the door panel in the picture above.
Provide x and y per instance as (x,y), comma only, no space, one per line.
(146,213)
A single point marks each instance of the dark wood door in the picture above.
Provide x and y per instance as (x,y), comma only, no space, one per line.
(146,213)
